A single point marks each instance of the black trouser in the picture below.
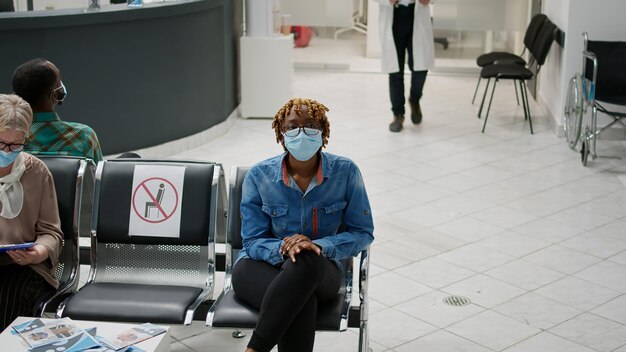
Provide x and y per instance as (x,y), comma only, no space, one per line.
(21,289)
(402,29)
(286,296)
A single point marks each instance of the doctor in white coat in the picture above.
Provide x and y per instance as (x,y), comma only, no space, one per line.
(405,26)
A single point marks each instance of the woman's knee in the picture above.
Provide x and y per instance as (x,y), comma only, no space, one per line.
(307,263)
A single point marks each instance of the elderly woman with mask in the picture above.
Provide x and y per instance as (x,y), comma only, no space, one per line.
(28,213)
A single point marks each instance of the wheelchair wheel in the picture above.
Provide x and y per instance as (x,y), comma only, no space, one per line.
(574,111)
(584,151)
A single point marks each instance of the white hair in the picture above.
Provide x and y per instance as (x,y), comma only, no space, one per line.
(15,113)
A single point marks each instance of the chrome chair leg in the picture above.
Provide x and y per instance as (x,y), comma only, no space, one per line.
(594,133)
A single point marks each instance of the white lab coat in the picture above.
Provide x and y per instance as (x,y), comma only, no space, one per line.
(423,42)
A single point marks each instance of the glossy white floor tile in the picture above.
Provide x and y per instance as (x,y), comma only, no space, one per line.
(391,288)
(435,272)
(613,310)
(392,328)
(524,274)
(510,220)
(493,330)
(441,341)
(593,331)
(476,257)
(431,308)
(563,259)
(545,341)
(537,311)
(484,290)
(577,293)
(514,243)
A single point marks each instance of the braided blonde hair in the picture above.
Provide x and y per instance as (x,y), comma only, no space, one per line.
(315,110)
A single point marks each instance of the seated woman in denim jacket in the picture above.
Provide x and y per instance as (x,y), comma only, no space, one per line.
(292,207)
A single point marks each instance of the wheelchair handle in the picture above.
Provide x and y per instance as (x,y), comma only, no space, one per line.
(588,55)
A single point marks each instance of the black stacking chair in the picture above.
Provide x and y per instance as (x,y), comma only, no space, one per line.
(520,74)
(228,311)
(73,182)
(155,279)
(503,57)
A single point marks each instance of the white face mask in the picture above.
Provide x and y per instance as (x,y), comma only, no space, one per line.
(61,95)
(11,191)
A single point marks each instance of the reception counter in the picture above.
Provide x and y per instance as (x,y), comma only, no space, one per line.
(139,76)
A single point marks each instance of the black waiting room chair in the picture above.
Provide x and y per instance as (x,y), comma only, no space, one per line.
(228,311)
(149,278)
(504,57)
(73,182)
(520,74)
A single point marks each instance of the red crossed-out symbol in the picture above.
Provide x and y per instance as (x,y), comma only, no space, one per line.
(157,204)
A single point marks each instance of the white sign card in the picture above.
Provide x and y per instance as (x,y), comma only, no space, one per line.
(156,201)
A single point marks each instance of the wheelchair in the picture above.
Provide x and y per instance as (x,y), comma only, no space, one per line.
(602,82)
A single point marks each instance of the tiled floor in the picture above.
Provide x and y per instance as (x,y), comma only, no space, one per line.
(510,220)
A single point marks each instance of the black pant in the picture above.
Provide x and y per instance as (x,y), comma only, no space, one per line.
(402,29)
(286,296)
(21,288)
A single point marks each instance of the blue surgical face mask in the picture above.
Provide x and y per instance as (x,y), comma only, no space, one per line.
(7,158)
(303,146)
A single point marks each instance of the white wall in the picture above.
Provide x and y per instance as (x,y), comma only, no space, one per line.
(373,39)
(551,77)
(464,15)
(602,19)
(322,13)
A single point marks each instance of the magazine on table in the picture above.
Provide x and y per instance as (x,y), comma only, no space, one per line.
(57,334)
(132,336)
(105,348)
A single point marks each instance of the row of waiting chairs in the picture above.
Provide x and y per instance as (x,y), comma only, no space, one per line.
(164,279)
(540,34)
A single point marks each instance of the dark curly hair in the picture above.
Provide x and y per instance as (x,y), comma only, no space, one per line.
(315,110)
(33,81)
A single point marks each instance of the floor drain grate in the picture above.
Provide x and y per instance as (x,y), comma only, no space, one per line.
(457,301)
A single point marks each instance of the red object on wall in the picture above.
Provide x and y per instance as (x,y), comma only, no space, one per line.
(302,35)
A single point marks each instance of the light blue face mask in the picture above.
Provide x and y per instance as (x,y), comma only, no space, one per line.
(303,146)
(7,158)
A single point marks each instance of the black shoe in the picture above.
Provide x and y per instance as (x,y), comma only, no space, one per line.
(416,112)
(396,125)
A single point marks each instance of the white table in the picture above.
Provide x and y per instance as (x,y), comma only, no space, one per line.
(160,343)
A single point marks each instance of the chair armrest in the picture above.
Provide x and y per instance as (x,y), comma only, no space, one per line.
(64,290)
(192,308)
(61,307)
(364,268)
(364,302)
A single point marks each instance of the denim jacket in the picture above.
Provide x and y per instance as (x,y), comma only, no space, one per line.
(273,207)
